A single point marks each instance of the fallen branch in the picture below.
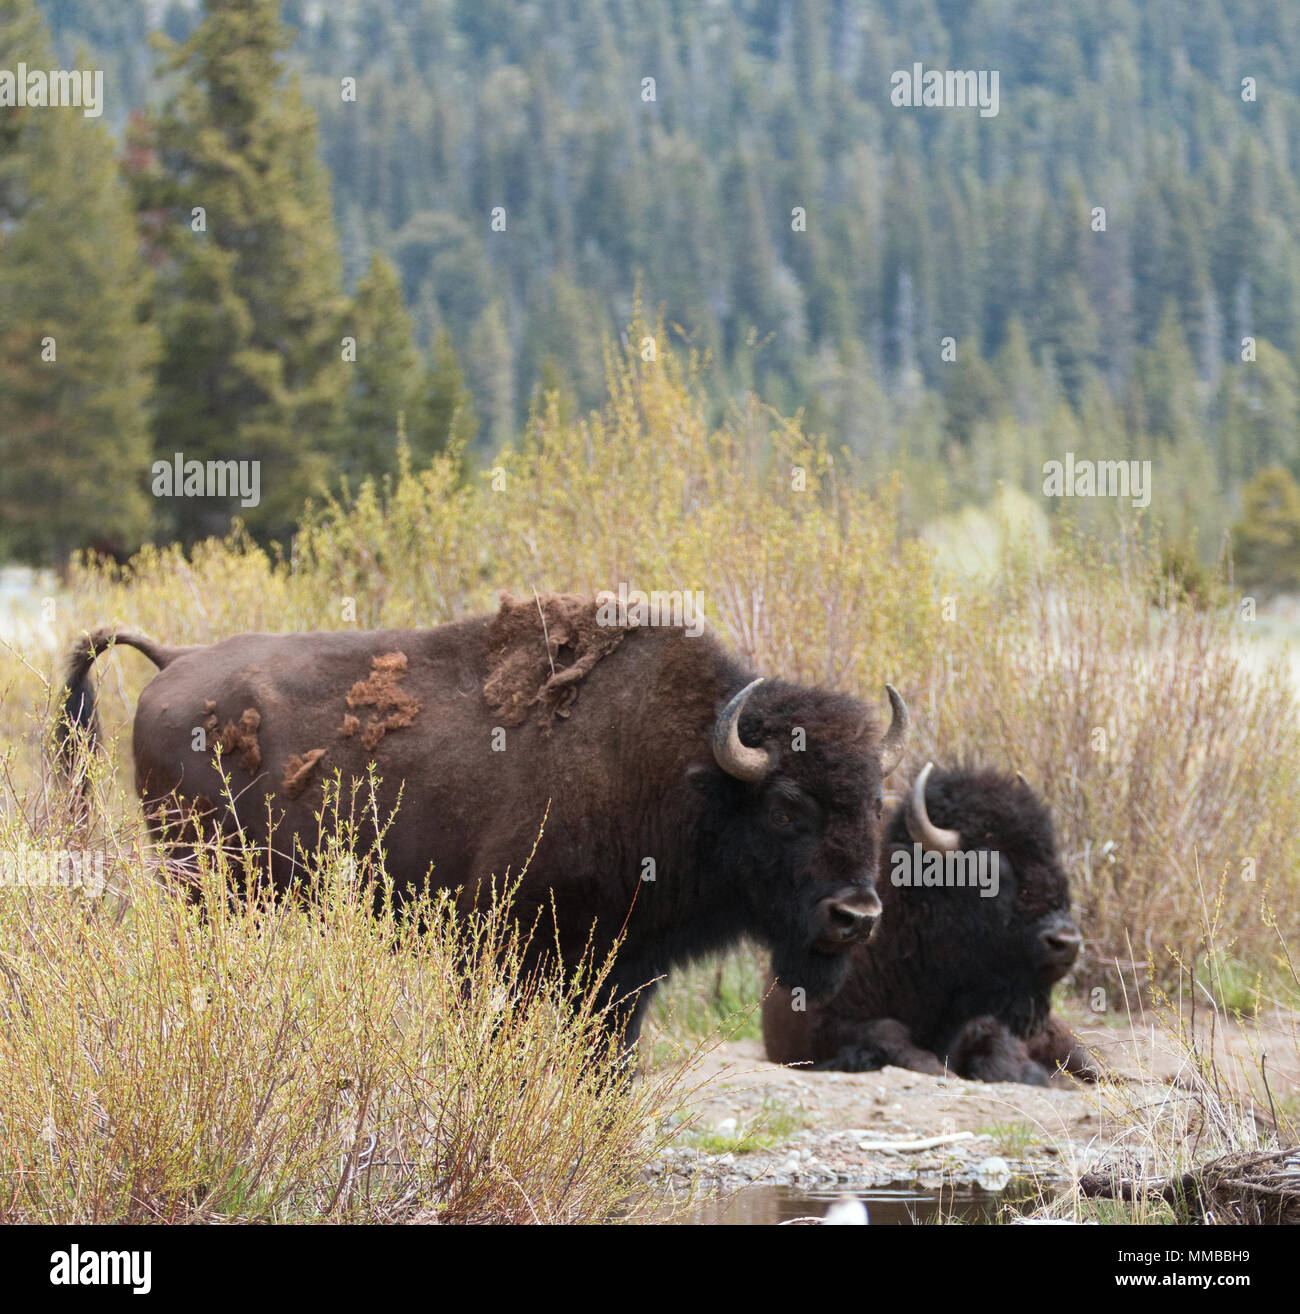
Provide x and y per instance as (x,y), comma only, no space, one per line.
(1258,1186)
(907,1146)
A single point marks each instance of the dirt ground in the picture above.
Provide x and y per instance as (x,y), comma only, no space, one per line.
(756,1121)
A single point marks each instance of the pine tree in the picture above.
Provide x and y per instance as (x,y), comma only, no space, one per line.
(449,418)
(1167,374)
(387,377)
(249,306)
(1260,412)
(75,358)
(972,394)
(1266,539)
(492,373)
(1020,378)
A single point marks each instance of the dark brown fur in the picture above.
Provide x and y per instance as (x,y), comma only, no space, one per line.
(607,733)
(951,981)
(240,739)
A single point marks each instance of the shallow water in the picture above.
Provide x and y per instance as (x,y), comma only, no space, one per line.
(899,1205)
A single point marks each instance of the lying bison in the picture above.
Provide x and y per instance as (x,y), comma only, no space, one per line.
(687,804)
(957,975)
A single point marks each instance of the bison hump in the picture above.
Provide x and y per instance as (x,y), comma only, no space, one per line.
(539,651)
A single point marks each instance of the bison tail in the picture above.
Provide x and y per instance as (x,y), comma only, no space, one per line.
(79,723)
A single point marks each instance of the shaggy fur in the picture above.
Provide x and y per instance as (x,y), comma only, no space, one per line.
(950,980)
(527,674)
(490,724)
(298,770)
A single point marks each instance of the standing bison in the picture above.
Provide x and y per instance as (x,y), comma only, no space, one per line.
(687,804)
(975,931)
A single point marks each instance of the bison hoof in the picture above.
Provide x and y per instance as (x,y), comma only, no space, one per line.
(1034,1074)
(852,1058)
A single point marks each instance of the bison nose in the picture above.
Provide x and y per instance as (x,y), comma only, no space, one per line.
(1061,943)
(851,920)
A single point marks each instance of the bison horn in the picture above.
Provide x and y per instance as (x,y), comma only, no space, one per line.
(919,826)
(895,740)
(735,758)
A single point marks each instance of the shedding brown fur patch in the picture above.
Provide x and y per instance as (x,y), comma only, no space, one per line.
(382,689)
(350,726)
(241,738)
(297,771)
(539,649)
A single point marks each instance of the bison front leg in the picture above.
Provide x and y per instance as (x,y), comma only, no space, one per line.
(866,1047)
(624,1012)
(787,1029)
(986,1050)
(1056,1046)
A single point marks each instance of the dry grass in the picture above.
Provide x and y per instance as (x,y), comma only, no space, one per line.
(719,997)
(1204,1131)
(274,1062)
(1167,754)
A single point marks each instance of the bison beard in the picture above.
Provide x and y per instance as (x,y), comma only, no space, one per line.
(951,981)
(677,812)
(821,975)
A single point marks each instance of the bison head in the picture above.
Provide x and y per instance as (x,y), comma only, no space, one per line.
(1018,941)
(793,823)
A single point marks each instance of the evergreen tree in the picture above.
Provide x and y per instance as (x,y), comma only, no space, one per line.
(387,380)
(75,358)
(1167,375)
(1259,405)
(492,374)
(249,307)
(449,418)
(1266,540)
(972,394)
(919,224)
(1021,381)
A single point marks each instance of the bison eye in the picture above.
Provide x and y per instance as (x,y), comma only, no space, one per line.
(789,815)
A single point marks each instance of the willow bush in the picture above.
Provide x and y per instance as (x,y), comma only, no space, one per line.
(249,1060)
